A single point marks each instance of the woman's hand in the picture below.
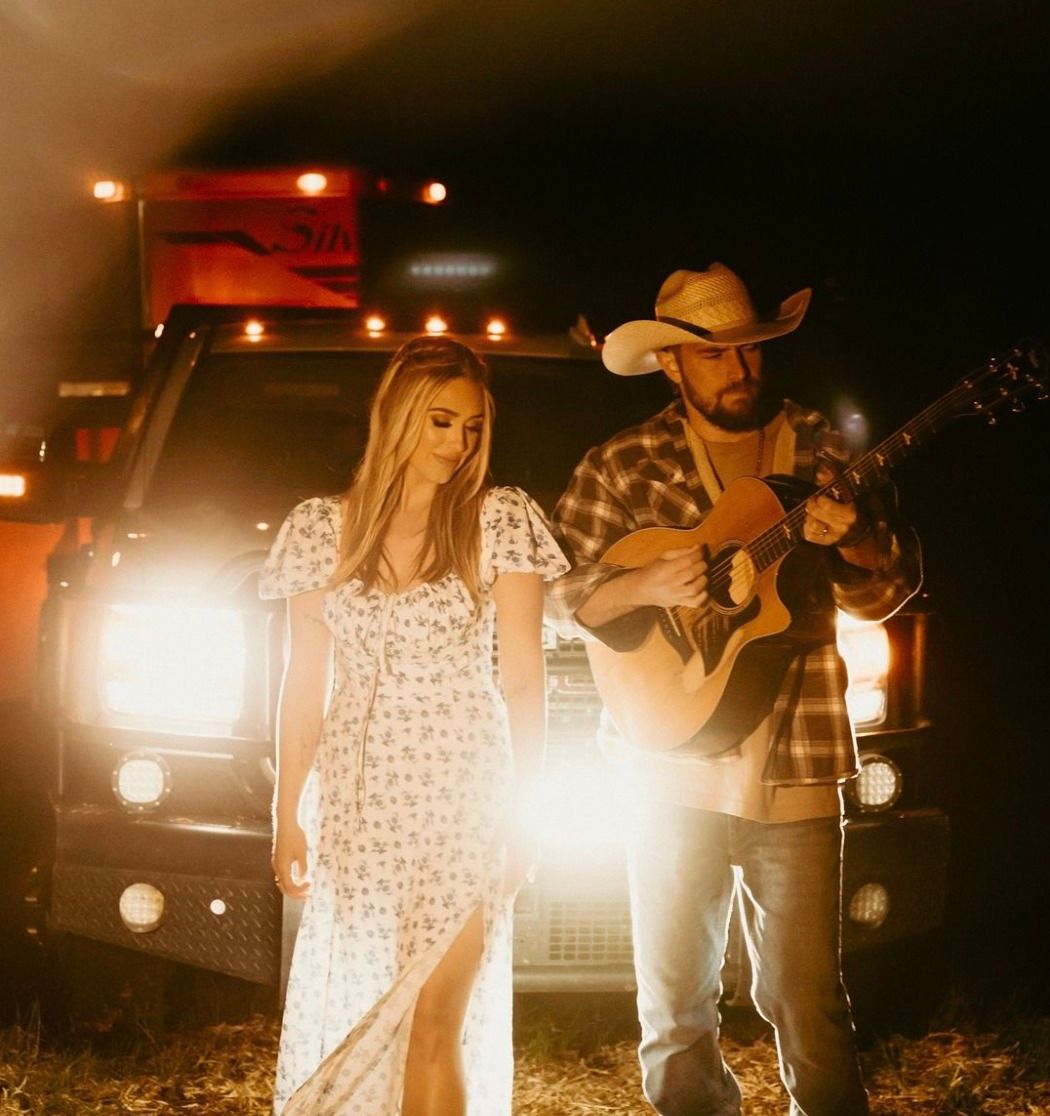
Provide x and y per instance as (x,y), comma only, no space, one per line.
(289,860)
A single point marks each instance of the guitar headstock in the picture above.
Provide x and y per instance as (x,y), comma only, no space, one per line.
(1007,382)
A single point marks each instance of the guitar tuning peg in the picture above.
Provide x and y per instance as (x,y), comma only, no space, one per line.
(992,420)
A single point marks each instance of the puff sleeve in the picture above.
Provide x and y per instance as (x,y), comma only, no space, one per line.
(516,538)
(304,553)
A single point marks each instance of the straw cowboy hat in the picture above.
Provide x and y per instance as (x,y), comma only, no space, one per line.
(701,308)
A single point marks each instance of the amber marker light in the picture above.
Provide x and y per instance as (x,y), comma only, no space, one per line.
(313,182)
(253,330)
(496,328)
(375,324)
(434,193)
(436,324)
(108,190)
(12,485)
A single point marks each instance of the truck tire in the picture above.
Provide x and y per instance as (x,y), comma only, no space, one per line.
(26,840)
(897,988)
(106,990)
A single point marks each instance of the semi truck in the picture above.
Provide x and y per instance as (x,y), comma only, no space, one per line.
(159,667)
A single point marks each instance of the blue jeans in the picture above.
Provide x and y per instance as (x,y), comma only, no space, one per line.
(682,865)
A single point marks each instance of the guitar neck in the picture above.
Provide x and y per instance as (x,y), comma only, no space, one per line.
(863,475)
(1004,382)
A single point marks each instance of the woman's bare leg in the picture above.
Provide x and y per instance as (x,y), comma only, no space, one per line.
(434,1082)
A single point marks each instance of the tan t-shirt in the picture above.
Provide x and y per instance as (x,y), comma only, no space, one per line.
(732,785)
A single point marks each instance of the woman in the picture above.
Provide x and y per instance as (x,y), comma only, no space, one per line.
(399,993)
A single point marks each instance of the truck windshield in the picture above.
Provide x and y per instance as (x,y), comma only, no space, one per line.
(277,427)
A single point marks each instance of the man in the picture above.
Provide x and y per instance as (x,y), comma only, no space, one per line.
(763,814)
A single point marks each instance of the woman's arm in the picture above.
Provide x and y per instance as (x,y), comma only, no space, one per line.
(519,621)
(304,690)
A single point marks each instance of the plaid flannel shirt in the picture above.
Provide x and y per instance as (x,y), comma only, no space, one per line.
(646,477)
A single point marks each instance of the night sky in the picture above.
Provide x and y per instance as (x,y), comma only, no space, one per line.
(887,154)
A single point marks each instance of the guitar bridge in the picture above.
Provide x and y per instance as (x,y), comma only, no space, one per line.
(674,633)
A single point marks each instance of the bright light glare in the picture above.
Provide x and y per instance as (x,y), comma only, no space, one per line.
(107,190)
(579,807)
(141,908)
(436,324)
(434,193)
(168,664)
(850,420)
(312,182)
(496,327)
(374,323)
(865,647)
(12,485)
(253,330)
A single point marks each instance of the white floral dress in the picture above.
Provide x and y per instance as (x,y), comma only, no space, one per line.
(412,774)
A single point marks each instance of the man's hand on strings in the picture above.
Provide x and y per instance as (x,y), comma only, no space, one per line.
(676,577)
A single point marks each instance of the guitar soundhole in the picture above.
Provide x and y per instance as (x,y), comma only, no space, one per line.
(731,578)
(731,587)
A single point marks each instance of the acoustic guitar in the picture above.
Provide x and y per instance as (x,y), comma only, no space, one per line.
(702,679)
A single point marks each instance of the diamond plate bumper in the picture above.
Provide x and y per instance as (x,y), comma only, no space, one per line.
(221,909)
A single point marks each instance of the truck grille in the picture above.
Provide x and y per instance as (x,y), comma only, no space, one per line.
(596,932)
(573,705)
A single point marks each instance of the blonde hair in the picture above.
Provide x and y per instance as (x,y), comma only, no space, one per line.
(413,378)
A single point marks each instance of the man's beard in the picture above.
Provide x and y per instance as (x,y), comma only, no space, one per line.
(733,421)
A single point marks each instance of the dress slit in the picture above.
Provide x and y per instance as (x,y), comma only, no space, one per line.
(385,1030)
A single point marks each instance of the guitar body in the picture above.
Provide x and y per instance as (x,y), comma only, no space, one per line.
(702,680)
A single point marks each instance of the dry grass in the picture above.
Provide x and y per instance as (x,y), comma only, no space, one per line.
(220,1070)
(955,1069)
(565,1068)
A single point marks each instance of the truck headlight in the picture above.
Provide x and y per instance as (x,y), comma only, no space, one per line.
(878,783)
(141,781)
(181,666)
(865,647)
